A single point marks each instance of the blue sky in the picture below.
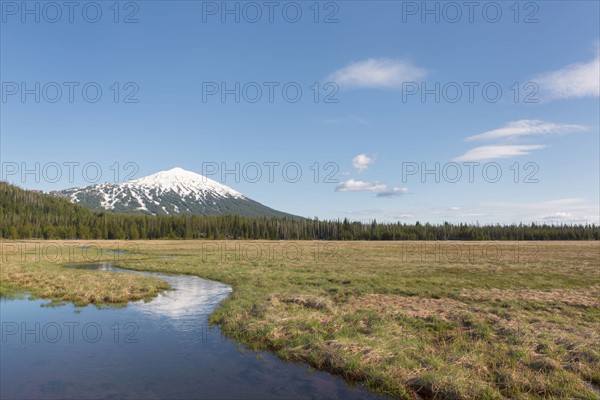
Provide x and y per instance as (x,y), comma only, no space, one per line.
(370,133)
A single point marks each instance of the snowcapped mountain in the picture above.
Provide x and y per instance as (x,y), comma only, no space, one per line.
(171,192)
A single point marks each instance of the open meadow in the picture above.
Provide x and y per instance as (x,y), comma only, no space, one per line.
(463,320)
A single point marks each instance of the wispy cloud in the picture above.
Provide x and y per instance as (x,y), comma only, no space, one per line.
(369,211)
(403,216)
(352,185)
(568,218)
(486,153)
(574,210)
(573,81)
(564,202)
(527,127)
(377,73)
(559,216)
(397,191)
(362,161)
(380,189)
(515,130)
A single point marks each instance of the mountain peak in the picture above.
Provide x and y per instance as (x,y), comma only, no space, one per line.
(175,173)
(176,170)
(183,182)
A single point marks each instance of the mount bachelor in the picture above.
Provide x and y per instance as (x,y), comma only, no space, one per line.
(172,192)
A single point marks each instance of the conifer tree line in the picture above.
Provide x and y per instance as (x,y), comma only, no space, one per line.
(27,214)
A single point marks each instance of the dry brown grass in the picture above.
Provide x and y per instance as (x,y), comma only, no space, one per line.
(588,297)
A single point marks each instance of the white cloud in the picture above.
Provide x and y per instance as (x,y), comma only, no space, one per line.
(515,130)
(498,151)
(362,162)
(559,215)
(527,127)
(568,218)
(352,185)
(572,81)
(403,216)
(380,189)
(377,73)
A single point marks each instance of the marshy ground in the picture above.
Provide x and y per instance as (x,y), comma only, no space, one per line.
(460,320)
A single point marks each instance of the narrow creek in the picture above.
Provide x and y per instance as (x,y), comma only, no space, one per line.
(154,350)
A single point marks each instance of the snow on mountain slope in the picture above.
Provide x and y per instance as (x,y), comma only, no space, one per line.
(184,183)
(175,191)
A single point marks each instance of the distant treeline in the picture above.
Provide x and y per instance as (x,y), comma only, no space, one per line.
(26,214)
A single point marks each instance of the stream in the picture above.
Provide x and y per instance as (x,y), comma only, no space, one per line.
(159,349)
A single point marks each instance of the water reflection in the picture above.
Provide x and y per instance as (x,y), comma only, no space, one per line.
(189,299)
(97,266)
(191,296)
(154,350)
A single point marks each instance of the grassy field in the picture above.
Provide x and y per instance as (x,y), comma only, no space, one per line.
(38,269)
(444,320)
